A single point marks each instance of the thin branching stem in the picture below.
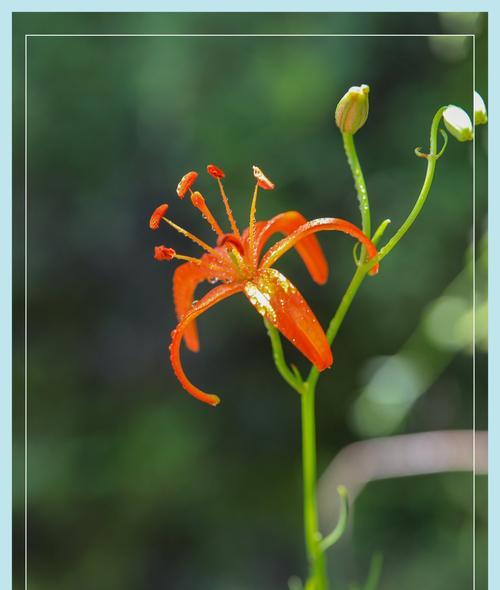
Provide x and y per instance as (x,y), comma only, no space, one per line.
(315,545)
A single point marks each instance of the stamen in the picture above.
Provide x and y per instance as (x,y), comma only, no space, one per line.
(199,202)
(164,253)
(185,183)
(158,213)
(191,236)
(262,179)
(251,224)
(266,184)
(218,174)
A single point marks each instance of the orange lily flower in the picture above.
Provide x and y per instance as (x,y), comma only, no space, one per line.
(237,262)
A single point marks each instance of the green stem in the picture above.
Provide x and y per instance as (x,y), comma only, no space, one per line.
(339,316)
(362,270)
(429,176)
(315,547)
(317,570)
(279,359)
(318,579)
(359,181)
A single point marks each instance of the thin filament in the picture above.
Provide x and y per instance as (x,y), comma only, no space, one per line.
(200,204)
(251,225)
(192,237)
(229,213)
(187,258)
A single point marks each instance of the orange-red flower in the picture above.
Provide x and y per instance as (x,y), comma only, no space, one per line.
(238,262)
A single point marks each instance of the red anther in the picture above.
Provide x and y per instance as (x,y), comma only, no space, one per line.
(164,253)
(215,171)
(186,183)
(158,213)
(262,179)
(233,240)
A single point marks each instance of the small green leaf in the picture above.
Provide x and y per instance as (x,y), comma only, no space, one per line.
(379,232)
(293,378)
(341,525)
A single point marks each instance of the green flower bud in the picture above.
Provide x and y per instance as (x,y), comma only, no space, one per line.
(352,111)
(458,123)
(480,116)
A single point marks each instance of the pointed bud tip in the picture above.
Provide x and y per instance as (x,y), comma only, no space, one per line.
(352,110)
(342,491)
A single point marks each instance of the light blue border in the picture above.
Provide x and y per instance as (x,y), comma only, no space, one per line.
(6,10)
(253,6)
(493,297)
(6,304)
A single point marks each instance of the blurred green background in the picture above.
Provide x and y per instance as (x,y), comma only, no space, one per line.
(134,484)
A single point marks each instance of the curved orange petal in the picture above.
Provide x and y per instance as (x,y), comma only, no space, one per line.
(308,249)
(210,299)
(275,298)
(323,224)
(185,280)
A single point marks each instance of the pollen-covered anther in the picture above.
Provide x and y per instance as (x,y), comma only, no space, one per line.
(262,179)
(158,213)
(186,183)
(164,253)
(215,171)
